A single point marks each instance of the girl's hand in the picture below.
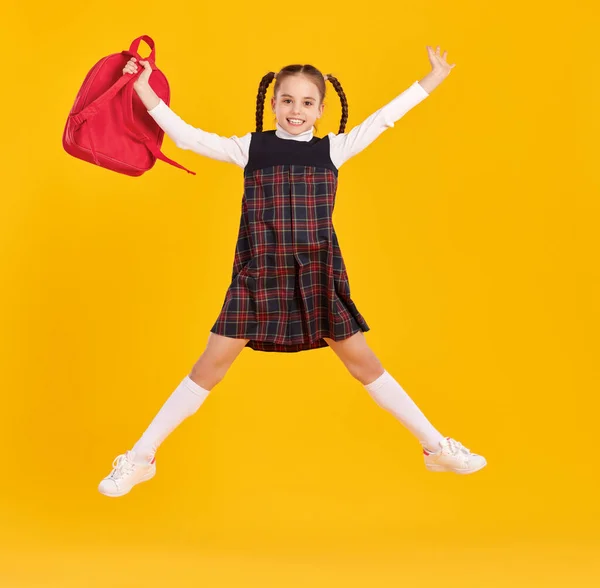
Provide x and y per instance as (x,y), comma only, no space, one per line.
(131,67)
(439,65)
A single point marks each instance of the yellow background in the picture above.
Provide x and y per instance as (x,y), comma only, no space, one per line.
(470,235)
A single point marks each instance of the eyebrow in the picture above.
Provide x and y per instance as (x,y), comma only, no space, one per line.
(305,97)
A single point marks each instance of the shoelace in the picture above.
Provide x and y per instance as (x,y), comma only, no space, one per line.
(456,447)
(121,467)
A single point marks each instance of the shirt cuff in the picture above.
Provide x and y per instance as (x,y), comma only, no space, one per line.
(399,106)
(160,106)
(421,90)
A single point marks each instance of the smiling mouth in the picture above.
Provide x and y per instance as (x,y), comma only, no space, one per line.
(295,122)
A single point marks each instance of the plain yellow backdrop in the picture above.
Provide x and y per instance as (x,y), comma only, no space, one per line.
(470,235)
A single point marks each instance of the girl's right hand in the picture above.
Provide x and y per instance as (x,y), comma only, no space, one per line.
(131,67)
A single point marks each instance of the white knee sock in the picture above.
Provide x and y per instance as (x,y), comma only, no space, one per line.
(184,402)
(388,394)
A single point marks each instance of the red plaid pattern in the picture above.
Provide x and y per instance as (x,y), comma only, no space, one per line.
(289,285)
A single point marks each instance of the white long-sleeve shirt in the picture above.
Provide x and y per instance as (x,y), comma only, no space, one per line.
(236,149)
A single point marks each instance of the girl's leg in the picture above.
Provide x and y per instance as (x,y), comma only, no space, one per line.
(362,363)
(207,372)
(138,465)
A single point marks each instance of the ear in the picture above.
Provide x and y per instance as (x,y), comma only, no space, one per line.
(321,108)
(273,103)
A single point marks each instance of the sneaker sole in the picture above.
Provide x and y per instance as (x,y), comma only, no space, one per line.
(147,477)
(439,468)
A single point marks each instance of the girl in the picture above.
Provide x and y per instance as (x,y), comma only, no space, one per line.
(289,290)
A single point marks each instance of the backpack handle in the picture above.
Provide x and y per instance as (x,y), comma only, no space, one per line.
(135,45)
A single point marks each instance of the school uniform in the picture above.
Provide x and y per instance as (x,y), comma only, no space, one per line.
(289,287)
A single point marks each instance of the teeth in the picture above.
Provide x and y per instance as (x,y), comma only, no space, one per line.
(295,121)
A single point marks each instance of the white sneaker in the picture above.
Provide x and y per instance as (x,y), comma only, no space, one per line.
(125,475)
(453,457)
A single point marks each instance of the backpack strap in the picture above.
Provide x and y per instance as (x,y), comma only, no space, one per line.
(92,108)
(136,133)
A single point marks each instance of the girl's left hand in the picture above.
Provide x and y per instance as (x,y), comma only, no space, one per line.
(439,65)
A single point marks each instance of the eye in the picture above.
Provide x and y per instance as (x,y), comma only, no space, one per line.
(308,103)
(287,100)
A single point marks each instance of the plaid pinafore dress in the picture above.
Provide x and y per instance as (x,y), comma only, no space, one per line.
(289,285)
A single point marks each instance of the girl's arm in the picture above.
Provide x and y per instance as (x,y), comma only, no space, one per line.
(346,145)
(185,136)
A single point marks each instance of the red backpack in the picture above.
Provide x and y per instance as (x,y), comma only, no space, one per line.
(109,124)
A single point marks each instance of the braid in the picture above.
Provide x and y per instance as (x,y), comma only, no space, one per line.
(343,100)
(260,99)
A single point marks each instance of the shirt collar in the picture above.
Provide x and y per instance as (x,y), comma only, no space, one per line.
(283,134)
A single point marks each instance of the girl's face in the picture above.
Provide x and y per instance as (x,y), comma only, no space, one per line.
(297,105)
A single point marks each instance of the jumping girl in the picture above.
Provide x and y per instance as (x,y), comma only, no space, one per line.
(290,290)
